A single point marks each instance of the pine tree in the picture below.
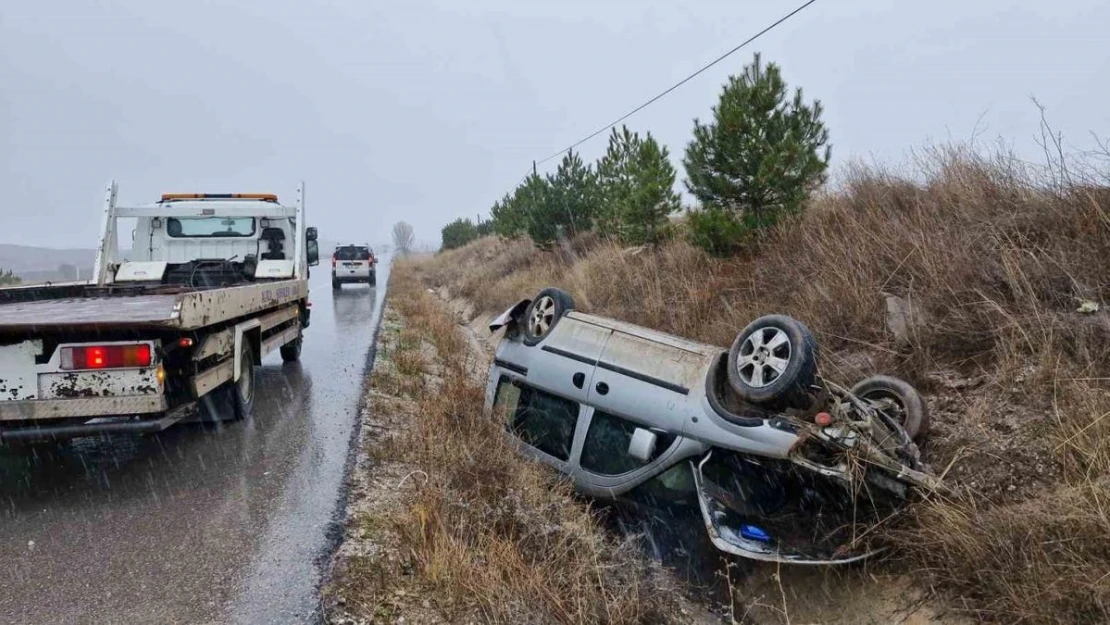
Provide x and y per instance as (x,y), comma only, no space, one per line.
(8,278)
(636,181)
(458,233)
(762,155)
(508,216)
(569,205)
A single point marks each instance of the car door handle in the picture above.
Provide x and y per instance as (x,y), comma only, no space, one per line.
(579,379)
(602,388)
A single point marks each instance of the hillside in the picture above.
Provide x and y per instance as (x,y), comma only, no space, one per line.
(982,282)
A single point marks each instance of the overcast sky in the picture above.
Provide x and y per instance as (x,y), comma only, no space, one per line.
(430,110)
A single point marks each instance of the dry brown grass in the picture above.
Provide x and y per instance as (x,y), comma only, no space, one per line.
(997,256)
(490,534)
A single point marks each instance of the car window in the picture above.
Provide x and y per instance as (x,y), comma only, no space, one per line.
(540,419)
(187,227)
(352,253)
(606,448)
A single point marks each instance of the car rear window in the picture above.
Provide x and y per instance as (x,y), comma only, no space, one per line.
(352,253)
(540,419)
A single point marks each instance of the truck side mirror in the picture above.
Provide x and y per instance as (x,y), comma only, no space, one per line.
(310,233)
(312,247)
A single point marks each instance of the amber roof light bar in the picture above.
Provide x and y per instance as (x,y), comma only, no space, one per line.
(266,197)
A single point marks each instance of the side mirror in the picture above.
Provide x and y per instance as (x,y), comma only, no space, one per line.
(310,233)
(642,445)
(312,247)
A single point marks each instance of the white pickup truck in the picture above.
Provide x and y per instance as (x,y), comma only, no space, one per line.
(212,284)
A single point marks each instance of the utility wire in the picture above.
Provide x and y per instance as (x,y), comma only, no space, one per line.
(679,83)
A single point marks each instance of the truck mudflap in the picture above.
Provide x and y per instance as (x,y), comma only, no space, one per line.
(732,533)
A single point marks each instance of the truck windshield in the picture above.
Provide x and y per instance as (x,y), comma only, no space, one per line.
(179,227)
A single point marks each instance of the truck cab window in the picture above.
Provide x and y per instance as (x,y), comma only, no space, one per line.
(211,227)
(540,419)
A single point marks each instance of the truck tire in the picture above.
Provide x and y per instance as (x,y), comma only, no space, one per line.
(335,285)
(242,390)
(373,281)
(291,351)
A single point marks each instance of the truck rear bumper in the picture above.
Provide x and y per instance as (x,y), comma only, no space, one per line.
(81,407)
(57,432)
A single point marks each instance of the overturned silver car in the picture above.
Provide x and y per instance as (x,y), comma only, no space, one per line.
(784,466)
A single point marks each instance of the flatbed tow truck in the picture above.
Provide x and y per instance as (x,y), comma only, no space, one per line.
(174,332)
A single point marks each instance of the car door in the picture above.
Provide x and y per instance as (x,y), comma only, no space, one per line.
(646,381)
(544,425)
(564,361)
(604,466)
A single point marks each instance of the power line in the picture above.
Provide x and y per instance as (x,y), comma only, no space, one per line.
(681,82)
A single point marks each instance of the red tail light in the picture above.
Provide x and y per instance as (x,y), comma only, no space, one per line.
(105,357)
(333,262)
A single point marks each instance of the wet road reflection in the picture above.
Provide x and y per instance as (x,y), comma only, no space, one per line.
(200,523)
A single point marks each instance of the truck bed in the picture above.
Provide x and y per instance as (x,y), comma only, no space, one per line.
(69,307)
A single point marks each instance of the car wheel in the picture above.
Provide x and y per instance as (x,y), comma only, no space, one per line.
(373,279)
(242,390)
(291,351)
(335,285)
(898,400)
(773,360)
(544,312)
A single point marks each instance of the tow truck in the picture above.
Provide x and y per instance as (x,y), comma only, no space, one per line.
(173,332)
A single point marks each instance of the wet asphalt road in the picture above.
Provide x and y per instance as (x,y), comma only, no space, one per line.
(199,524)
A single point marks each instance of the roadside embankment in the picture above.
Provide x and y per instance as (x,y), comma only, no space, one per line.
(976,280)
(446,524)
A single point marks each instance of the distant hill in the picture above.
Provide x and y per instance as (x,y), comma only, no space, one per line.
(22,258)
(40,264)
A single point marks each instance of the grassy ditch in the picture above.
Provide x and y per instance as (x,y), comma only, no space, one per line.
(990,263)
(456,527)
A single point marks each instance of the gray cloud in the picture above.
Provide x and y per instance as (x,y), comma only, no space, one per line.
(428,110)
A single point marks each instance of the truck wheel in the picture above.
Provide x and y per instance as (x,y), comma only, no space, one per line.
(242,391)
(335,285)
(373,279)
(291,351)
(544,312)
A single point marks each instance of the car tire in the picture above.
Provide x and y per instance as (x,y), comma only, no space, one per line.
(291,351)
(242,390)
(773,361)
(543,313)
(911,411)
(335,285)
(373,281)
